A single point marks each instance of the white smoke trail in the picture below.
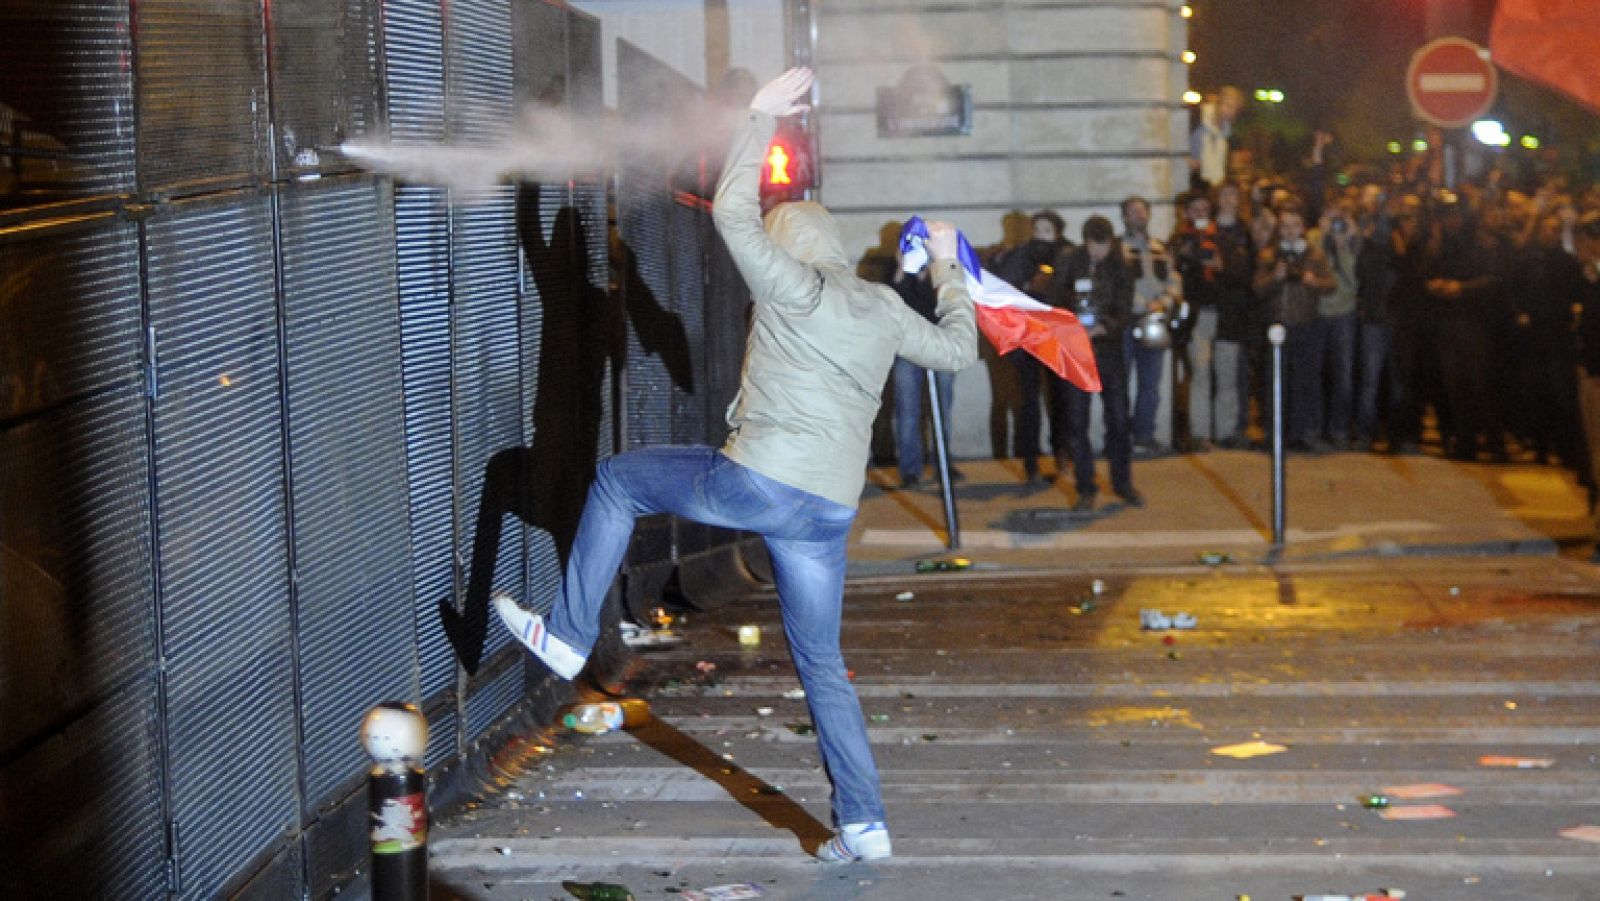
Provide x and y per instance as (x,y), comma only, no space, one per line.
(546,145)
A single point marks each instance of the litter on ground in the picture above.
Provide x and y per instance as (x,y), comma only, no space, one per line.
(1418,812)
(741,891)
(1246,750)
(1583,833)
(1517,763)
(1420,791)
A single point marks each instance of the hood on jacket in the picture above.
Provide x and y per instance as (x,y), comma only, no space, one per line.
(807,232)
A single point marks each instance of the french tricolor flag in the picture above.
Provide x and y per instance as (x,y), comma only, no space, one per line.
(1009,318)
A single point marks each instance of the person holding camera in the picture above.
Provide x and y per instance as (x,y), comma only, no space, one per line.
(1093,281)
(1194,246)
(1157,292)
(1236,304)
(1030,267)
(1340,241)
(1292,274)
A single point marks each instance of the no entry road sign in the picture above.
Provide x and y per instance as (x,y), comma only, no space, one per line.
(1451,82)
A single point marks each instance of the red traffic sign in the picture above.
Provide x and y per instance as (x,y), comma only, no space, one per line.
(1451,82)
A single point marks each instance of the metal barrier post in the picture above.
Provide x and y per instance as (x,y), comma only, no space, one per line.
(395,736)
(951,523)
(1275,336)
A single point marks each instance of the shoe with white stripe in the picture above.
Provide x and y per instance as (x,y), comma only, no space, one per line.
(529,628)
(856,841)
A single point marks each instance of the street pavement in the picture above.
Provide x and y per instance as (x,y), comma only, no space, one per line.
(1337,505)
(1035,742)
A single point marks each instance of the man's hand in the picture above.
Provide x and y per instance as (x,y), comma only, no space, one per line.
(781,96)
(941,240)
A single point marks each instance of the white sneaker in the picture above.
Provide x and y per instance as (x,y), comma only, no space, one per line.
(529,629)
(856,841)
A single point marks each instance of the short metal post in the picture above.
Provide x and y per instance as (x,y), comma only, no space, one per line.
(951,523)
(395,736)
(1275,336)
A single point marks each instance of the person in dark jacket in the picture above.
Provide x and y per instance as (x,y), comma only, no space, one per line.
(1199,262)
(1545,283)
(1463,286)
(911,385)
(1030,267)
(1411,347)
(1094,282)
(1375,282)
(1235,313)
(1292,274)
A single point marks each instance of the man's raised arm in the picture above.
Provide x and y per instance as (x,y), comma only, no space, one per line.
(771,274)
(951,345)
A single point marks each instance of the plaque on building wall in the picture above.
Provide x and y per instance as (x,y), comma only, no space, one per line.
(924,103)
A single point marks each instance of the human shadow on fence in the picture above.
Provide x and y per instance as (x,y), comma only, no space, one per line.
(581,340)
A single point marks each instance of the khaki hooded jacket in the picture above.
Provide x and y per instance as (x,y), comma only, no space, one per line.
(822,340)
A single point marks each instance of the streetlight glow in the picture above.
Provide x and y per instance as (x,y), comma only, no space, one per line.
(1394,147)
(1419,145)
(1191,97)
(1189,57)
(1186,11)
(1530,142)
(1491,133)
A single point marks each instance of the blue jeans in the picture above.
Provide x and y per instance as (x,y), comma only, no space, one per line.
(1144,367)
(1376,338)
(807,536)
(910,387)
(1341,372)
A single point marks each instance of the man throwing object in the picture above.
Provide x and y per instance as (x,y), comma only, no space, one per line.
(820,348)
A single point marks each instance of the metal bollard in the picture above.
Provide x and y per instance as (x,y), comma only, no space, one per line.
(395,736)
(1275,336)
(951,523)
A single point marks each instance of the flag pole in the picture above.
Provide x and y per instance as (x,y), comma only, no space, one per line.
(951,523)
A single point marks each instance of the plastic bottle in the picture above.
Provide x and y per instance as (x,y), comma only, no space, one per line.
(607,716)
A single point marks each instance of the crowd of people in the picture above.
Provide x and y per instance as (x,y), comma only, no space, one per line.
(1412,311)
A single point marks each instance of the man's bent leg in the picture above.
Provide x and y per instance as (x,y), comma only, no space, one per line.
(698,483)
(810,582)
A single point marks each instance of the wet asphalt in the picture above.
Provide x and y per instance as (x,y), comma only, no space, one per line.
(1035,742)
